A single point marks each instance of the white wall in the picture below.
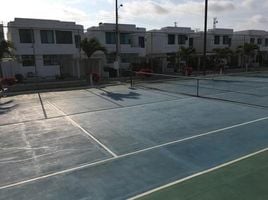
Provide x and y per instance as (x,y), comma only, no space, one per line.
(37,48)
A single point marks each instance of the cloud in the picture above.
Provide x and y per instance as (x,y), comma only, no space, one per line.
(221,6)
(42,10)
(259,19)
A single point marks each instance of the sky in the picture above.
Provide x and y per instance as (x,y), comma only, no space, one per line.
(151,14)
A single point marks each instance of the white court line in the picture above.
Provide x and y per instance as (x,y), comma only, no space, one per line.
(81,128)
(126,155)
(198,174)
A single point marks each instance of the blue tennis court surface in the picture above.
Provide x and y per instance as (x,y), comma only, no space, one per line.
(116,142)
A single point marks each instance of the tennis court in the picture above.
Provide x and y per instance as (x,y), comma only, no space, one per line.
(117,142)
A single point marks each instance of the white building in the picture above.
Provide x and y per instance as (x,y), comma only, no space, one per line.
(257,37)
(132,42)
(163,44)
(44,48)
(216,38)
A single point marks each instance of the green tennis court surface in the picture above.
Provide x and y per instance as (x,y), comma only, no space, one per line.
(245,180)
(117,142)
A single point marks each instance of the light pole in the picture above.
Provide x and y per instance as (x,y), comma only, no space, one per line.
(117,56)
(205,37)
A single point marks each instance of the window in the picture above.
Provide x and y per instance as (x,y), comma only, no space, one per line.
(259,41)
(26,36)
(252,40)
(64,37)
(182,39)
(125,38)
(77,40)
(225,39)
(266,42)
(141,42)
(230,41)
(171,39)
(216,39)
(191,42)
(50,60)
(110,38)
(47,37)
(28,60)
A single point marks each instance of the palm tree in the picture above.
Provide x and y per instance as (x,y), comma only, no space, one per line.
(222,56)
(91,46)
(186,54)
(247,52)
(5,51)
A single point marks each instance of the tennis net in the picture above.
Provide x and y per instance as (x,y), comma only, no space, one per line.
(240,89)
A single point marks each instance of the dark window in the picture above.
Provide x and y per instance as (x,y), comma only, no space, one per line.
(110,38)
(230,41)
(50,60)
(28,60)
(64,37)
(225,39)
(259,41)
(191,42)
(77,39)
(182,39)
(141,42)
(171,39)
(216,39)
(266,42)
(47,37)
(252,40)
(125,38)
(26,36)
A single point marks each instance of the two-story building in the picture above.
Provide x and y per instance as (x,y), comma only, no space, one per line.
(216,38)
(162,46)
(257,37)
(132,42)
(45,48)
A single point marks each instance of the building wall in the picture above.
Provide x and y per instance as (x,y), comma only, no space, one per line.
(126,50)
(220,32)
(62,51)
(157,40)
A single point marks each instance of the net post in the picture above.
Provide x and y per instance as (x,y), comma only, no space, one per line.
(197,87)
(131,78)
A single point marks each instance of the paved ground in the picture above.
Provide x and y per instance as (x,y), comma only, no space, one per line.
(115,142)
(231,182)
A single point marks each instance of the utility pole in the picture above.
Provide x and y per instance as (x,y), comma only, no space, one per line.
(205,37)
(117,55)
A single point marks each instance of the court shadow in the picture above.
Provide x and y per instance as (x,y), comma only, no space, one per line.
(119,96)
(6,109)
(5,103)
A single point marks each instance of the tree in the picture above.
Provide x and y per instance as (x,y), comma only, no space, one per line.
(186,54)
(223,53)
(91,46)
(247,52)
(5,49)
(222,56)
